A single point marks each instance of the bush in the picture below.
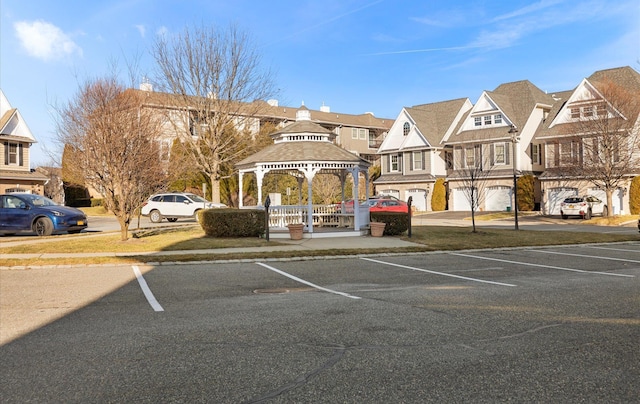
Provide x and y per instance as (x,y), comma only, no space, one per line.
(634,196)
(97,202)
(526,195)
(439,196)
(232,222)
(397,222)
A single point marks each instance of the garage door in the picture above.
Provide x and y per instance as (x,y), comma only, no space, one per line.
(617,198)
(461,200)
(556,196)
(391,192)
(419,198)
(498,198)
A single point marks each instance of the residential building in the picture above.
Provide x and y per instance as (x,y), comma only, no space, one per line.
(16,139)
(564,145)
(413,154)
(359,134)
(487,136)
(515,130)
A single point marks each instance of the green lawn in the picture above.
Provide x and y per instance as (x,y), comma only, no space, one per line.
(430,238)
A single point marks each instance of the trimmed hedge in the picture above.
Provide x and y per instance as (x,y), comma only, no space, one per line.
(232,222)
(439,196)
(397,222)
(634,196)
(525,190)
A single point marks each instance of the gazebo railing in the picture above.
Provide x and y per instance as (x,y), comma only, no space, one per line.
(323,216)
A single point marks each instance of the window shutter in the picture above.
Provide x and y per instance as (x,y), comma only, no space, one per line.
(6,153)
(20,159)
(507,154)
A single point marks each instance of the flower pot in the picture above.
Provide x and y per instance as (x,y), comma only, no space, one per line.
(377,229)
(295,231)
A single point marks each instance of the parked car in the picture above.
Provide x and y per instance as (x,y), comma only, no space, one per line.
(639,225)
(583,206)
(175,205)
(21,212)
(387,204)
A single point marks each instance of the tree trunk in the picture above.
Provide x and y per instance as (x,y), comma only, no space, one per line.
(124,229)
(215,188)
(609,193)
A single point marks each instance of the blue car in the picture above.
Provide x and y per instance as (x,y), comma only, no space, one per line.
(35,213)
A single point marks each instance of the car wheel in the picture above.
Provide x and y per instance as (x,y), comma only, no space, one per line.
(155,216)
(587,215)
(172,219)
(562,215)
(195,215)
(43,226)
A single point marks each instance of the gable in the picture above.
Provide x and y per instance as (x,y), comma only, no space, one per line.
(584,96)
(485,107)
(12,124)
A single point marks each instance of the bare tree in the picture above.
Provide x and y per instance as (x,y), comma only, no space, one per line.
(608,134)
(215,81)
(474,178)
(110,145)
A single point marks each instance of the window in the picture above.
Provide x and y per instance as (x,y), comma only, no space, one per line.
(13,154)
(354,133)
(363,134)
(394,163)
(499,156)
(575,113)
(487,120)
(469,157)
(405,128)
(536,155)
(587,111)
(477,121)
(417,160)
(372,139)
(497,119)
(601,110)
(448,159)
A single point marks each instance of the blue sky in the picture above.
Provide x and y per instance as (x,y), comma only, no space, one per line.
(355,56)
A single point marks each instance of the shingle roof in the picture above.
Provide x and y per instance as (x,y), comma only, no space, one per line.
(303,151)
(433,120)
(516,100)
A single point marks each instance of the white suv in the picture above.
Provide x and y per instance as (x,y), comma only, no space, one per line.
(583,206)
(174,205)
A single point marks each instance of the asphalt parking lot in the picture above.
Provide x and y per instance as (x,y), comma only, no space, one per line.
(554,324)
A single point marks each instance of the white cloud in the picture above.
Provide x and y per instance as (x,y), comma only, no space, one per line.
(141,29)
(45,41)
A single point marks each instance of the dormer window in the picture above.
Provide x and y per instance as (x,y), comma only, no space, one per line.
(405,128)
(477,121)
(497,119)
(487,120)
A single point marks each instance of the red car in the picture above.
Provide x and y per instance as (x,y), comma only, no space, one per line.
(387,205)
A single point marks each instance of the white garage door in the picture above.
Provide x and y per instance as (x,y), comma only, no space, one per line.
(556,196)
(460,199)
(498,198)
(419,198)
(617,198)
(391,192)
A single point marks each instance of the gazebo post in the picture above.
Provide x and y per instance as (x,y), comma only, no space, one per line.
(259,178)
(240,196)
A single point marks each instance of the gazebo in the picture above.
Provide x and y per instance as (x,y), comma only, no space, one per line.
(303,150)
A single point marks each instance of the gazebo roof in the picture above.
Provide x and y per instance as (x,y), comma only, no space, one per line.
(303,142)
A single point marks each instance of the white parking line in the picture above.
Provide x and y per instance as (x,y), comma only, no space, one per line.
(611,249)
(437,273)
(540,265)
(295,278)
(145,289)
(589,256)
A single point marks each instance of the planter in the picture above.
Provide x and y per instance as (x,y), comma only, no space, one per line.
(295,231)
(377,229)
